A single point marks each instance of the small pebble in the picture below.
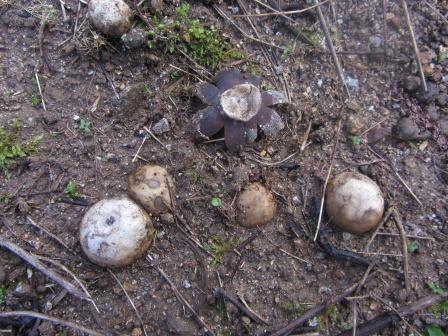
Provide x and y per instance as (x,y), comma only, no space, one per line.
(162,126)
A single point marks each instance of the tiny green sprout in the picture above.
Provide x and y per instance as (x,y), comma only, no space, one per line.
(35,100)
(356,140)
(8,93)
(84,126)
(435,288)
(195,176)
(1,295)
(4,198)
(174,75)
(433,330)
(412,247)
(216,201)
(70,190)
(439,309)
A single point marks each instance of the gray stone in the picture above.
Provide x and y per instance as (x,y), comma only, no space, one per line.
(177,326)
(162,126)
(411,83)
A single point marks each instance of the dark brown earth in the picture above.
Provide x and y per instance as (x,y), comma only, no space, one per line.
(279,274)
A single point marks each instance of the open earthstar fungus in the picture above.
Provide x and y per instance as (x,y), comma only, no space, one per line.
(237,104)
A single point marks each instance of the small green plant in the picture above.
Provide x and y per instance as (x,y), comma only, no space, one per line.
(216,201)
(10,147)
(433,330)
(356,140)
(435,288)
(195,176)
(174,75)
(293,308)
(1,295)
(189,36)
(4,198)
(218,248)
(412,247)
(8,93)
(85,126)
(71,190)
(35,100)
(439,309)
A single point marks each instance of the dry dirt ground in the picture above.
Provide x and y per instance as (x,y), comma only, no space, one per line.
(115,92)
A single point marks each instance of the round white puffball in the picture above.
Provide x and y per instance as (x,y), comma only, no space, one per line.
(114,232)
(354,202)
(110,17)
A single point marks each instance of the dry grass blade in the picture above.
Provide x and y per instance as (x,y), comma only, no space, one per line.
(180,297)
(414,45)
(404,244)
(79,282)
(327,34)
(275,12)
(52,319)
(33,261)
(53,236)
(321,209)
(130,301)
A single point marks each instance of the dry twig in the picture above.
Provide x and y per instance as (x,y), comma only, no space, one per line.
(414,45)
(219,292)
(130,301)
(33,261)
(53,236)
(330,45)
(52,319)
(179,296)
(338,131)
(404,244)
(380,225)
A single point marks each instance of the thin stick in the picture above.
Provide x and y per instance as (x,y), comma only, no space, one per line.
(55,320)
(274,163)
(130,301)
(396,312)
(398,176)
(380,225)
(40,92)
(155,138)
(33,261)
(180,296)
(435,10)
(79,282)
(305,138)
(310,313)
(298,11)
(385,320)
(372,127)
(139,149)
(408,236)
(385,33)
(224,16)
(414,45)
(288,253)
(56,238)
(331,47)
(64,13)
(404,244)
(338,130)
(245,310)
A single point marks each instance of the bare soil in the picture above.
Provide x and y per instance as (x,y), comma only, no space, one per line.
(281,272)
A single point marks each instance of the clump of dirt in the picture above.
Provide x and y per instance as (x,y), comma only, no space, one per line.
(106,100)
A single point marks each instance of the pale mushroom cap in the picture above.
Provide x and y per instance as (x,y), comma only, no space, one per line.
(241,102)
(255,206)
(354,203)
(150,186)
(111,17)
(114,232)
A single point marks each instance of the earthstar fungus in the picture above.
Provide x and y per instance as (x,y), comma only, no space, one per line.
(237,104)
